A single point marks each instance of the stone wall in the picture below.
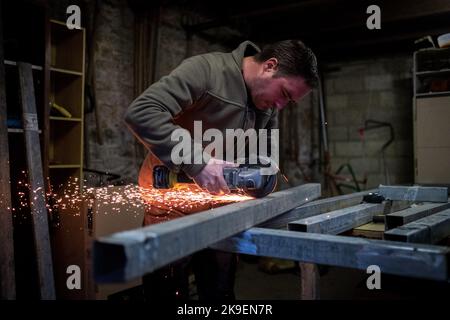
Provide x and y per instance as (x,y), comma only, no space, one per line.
(120,152)
(378,89)
(109,146)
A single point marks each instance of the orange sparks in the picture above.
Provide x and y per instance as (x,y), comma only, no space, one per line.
(158,204)
(186,198)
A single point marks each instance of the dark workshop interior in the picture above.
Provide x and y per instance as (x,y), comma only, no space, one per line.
(359,210)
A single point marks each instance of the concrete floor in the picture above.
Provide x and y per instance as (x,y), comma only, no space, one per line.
(336,283)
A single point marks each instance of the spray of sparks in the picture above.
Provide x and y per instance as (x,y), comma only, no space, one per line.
(154,205)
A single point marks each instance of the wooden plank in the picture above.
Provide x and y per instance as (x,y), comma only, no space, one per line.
(7,273)
(416,212)
(314,208)
(430,229)
(37,189)
(338,221)
(370,230)
(404,259)
(414,193)
(130,254)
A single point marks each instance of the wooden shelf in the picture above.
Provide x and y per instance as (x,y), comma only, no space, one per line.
(65,142)
(67,48)
(66,71)
(64,166)
(65,119)
(66,90)
(58,23)
(65,152)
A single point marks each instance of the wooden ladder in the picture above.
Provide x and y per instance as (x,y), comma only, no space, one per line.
(36,182)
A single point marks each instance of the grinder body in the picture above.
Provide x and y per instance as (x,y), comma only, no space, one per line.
(246,178)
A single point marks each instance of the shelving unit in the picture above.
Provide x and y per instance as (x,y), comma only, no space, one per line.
(65,150)
(431,110)
(57,56)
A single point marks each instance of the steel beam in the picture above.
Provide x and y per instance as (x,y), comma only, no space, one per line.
(402,217)
(314,208)
(404,259)
(339,221)
(130,254)
(430,229)
(414,193)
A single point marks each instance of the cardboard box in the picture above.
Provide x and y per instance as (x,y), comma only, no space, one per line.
(432,140)
(100,212)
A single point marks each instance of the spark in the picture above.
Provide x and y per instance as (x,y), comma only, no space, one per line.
(158,204)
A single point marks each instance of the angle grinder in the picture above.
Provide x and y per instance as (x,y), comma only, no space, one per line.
(247,178)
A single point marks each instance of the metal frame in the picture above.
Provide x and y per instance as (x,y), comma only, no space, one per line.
(402,217)
(127,255)
(314,208)
(145,249)
(338,221)
(430,229)
(404,259)
(414,193)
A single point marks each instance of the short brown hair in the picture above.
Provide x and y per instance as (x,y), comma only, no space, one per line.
(294,59)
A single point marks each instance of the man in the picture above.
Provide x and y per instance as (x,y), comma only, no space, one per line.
(239,90)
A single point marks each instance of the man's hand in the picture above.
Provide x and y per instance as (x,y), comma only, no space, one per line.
(211,177)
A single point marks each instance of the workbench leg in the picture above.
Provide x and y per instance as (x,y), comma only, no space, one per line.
(310,281)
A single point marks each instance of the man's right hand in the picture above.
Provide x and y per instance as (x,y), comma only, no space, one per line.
(211,177)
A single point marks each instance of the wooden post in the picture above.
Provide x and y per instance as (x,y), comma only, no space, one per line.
(7,273)
(310,281)
(37,187)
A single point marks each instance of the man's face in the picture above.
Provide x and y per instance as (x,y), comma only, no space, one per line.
(269,91)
